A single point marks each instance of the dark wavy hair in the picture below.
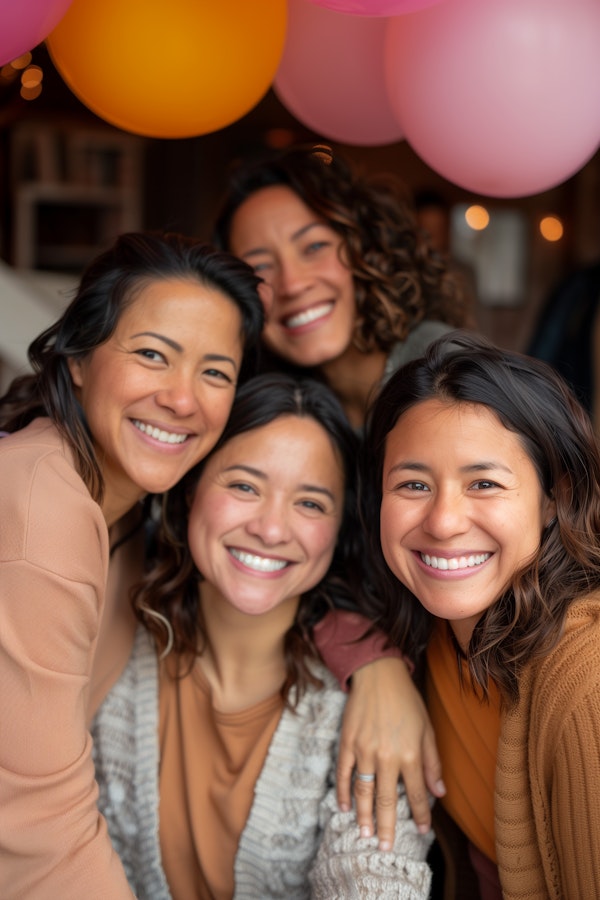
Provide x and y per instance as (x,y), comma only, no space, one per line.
(108,285)
(167,602)
(399,279)
(531,400)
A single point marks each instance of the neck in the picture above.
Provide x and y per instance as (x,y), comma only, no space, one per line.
(463,631)
(354,377)
(119,499)
(243,659)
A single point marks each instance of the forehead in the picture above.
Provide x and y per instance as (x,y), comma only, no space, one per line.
(438,427)
(296,445)
(276,210)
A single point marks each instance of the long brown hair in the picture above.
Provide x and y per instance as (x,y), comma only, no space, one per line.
(167,602)
(533,401)
(106,288)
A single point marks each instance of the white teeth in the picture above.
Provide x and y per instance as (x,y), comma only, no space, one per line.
(309,315)
(259,563)
(166,437)
(455,562)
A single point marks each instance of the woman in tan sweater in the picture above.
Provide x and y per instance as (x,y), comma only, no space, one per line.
(216,763)
(483,489)
(132,387)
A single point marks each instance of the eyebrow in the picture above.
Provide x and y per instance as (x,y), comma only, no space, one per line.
(160,337)
(258,251)
(209,357)
(258,473)
(483,466)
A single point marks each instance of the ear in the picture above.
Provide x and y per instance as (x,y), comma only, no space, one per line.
(549,511)
(75,370)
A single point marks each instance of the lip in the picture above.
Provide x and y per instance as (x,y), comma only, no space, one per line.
(308,318)
(170,438)
(469,563)
(258,572)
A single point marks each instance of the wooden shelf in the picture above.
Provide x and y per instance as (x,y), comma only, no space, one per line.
(74,191)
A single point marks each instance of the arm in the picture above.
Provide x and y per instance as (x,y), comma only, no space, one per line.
(566,767)
(348,865)
(53,547)
(386,729)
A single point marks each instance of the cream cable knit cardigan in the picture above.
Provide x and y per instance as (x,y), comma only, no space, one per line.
(295,844)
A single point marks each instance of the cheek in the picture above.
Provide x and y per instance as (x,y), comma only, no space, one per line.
(203,523)
(322,546)
(387,524)
(266,292)
(217,409)
(390,533)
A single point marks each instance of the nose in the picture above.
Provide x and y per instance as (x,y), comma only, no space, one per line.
(179,394)
(446,515)
(293,278)
(270,524)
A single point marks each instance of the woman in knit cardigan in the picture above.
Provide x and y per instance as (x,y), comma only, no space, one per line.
(483,496)
(216,759)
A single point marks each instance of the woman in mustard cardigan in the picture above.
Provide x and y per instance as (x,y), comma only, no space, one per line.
(483,497)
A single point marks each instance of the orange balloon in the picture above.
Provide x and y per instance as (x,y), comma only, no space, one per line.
(171,69)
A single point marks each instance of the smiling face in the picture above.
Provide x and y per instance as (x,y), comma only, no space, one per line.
(462,509)
(311,316)
(266,514)
(157,394)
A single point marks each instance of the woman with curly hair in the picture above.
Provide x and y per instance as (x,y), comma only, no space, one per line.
(216,761)
(356,290)
(482,496)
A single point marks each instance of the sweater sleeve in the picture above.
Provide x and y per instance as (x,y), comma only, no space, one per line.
(575,809)
(547,804)
(565,747)
(347,865)
(340,639)
(53,563)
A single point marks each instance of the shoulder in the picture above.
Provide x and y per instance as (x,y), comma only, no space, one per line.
(324,704)
(415,344)
(566,682)
(47,512)
(35,450)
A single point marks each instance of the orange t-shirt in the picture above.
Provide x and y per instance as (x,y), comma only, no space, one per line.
(209,764)
(467,731)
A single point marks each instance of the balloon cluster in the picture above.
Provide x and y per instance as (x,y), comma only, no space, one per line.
(501,97)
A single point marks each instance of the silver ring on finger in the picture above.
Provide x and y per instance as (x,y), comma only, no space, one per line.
(362,776)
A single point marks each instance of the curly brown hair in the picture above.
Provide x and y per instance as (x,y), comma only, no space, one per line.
(399,278)
(531,400)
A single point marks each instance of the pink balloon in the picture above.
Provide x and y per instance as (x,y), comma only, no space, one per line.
(374,7)
(26,23)
(501,97)
(331,76)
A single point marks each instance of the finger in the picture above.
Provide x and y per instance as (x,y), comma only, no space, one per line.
(432,766)
(345,765)
(418,797)
(386,810)
(364,797)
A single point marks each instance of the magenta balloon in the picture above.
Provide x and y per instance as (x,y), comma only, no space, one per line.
(501,97)
(331,76)
(374,7)
(26,23)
